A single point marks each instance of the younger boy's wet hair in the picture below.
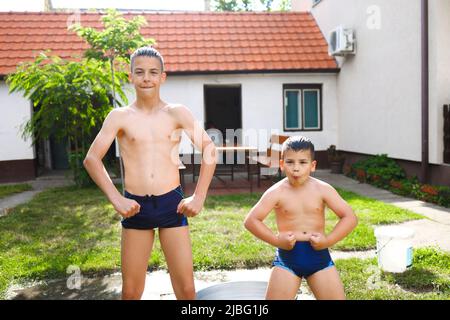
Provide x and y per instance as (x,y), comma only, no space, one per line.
(297,143)
(147,52)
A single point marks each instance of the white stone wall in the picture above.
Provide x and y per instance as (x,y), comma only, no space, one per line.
(379,89)
(439,54)
(15,111)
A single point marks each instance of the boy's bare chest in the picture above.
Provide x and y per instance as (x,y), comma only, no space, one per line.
(156,129)
(300,205)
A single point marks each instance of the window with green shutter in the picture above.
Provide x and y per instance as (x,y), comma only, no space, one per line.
(291,109)
(311,109)
(302,107)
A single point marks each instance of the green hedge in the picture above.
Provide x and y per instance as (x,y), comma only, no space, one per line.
(385,173)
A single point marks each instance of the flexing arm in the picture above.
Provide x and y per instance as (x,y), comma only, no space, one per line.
(347,219)
(94,166)
(254,222)
(193,205)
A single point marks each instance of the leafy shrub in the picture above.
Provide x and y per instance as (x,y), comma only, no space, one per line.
(385,173)
(380,170)
(80,175)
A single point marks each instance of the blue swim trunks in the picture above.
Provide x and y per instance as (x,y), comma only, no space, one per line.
(156,211)
(303,260)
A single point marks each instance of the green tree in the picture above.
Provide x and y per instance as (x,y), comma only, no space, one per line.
(226,5)
(242,5)
(285,5)
(267,4)
(247,5)
(70,98)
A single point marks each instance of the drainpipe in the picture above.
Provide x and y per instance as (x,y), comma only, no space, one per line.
(425,92)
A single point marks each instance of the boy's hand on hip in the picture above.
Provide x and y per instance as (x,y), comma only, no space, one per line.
(190,206)
(127,207)
(286,240)
(318,241)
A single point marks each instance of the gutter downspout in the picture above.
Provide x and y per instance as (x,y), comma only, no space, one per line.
(425,92)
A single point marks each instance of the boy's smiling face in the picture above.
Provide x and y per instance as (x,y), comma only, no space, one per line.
(297,165)
(147,75)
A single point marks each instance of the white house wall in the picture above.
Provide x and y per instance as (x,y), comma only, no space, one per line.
(439,53)
(262,103)
(379,89)
(15,111)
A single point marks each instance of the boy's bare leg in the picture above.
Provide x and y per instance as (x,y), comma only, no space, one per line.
(283,285)
(136,248)
(176,245)
(326,285)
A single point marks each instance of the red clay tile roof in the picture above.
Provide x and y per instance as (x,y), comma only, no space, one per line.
(191,42)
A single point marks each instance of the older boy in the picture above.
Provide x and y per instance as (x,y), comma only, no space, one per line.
(299,202)
(147,132)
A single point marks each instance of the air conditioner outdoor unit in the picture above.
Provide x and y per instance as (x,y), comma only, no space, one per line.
(342,42)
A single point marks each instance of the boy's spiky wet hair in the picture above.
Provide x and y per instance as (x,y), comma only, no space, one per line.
(297,143)
(147,52)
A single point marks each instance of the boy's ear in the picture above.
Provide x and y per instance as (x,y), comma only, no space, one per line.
(282,165)
(130,74)
(163,76)
(313,165)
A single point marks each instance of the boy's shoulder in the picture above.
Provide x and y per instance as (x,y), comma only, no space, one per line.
(116,114)
(120,111)
(179,112)
(323,188)
(277,188)
(321,184)
(176,108)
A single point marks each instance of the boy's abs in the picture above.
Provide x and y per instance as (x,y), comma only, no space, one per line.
(157,183)
(301,224)
(150,169)
(304,235)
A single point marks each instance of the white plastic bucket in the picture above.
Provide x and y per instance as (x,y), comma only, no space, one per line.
(394,248)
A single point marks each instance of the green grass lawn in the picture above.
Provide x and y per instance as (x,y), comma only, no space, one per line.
(427,279)
(371,213)
(7,190)
(69,226)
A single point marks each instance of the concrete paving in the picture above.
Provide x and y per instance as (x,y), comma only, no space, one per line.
(434,231)
(56,179)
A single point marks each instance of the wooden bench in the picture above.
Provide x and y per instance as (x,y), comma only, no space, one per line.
(272,157)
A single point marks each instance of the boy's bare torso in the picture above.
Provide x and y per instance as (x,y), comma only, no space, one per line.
(149,149)
(300,209)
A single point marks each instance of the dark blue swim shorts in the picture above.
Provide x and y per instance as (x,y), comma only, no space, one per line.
(303,260)
(156,211)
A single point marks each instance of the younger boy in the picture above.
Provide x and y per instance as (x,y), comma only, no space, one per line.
(299,202)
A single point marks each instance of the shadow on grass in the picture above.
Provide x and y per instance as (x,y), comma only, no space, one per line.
(107,288)
(419,280)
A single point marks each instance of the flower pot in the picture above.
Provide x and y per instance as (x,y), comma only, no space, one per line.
(336,166)
(347,170)
(360,175)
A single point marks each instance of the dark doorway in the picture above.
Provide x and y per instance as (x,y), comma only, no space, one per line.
(223,107)
(60,158)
